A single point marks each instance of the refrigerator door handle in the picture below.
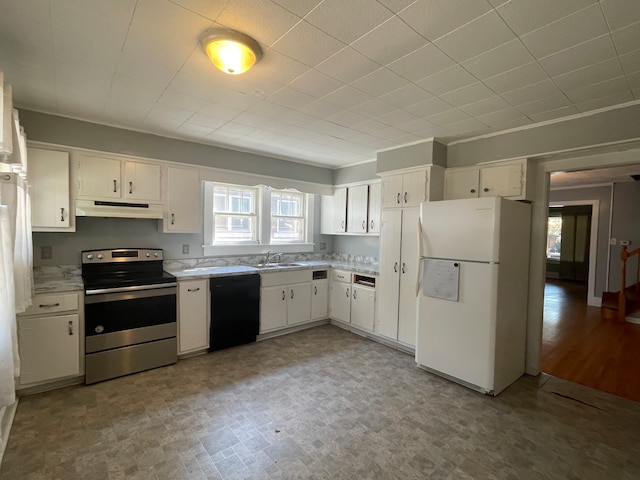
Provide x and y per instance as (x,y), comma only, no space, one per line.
(420,258)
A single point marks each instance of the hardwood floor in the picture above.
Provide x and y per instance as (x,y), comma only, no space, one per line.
(579,346)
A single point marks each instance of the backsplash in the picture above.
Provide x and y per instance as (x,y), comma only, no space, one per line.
(75,270)
(255,259)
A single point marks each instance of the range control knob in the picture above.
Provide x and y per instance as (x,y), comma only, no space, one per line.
(99,329)
(100,256)
(90,257)
(155,254)
(148,254)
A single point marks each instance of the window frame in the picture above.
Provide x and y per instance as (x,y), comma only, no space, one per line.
(302,217)
(263,244)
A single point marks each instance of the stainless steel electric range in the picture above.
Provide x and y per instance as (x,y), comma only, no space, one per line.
(130,312)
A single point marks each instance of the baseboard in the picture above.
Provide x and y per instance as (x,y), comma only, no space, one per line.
(295,328)
(8,414)
(633,319)
(375,337)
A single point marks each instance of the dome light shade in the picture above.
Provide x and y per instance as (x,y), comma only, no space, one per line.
(232,52)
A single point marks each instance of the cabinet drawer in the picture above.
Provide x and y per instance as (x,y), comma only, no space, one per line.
(53,303)
(341,276)
(284,278)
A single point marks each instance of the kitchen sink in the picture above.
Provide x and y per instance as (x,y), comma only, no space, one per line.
(277,265)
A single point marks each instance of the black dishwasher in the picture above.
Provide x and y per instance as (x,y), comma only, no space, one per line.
(235,310)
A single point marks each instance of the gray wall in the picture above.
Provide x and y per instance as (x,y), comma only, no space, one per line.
(355,173)
(603,195)
(357,245)
(94,233)
(624,226)
(609,127)
(416,155)
(52,129)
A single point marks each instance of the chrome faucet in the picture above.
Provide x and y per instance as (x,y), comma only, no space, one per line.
(273,257)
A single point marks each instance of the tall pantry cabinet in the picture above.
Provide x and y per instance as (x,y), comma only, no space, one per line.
(402,193)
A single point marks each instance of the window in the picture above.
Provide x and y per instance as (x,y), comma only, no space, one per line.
(287,217)
(241,220)
(554,240)
(235,216)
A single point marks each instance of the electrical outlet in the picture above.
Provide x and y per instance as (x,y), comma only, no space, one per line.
(323,246)
(46,253)
(613,241)
(185,248)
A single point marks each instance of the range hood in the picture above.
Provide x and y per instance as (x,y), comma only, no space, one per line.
(95,208)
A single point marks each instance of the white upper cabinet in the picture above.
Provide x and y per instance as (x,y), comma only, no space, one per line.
(374,205)
(410,188)
(50,194)
(141,181)
(113,179)
(340,210)
(508,179)
(352,210)
(183,202)
(357,209)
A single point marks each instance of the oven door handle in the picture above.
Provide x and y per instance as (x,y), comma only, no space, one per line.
(133,288)
(112,296)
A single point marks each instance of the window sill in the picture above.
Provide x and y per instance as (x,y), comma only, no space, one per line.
(225,250)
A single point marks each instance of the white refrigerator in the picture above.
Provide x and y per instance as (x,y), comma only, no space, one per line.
(473,289)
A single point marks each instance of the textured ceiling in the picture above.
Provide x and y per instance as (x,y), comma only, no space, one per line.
(339,79)
(598,176)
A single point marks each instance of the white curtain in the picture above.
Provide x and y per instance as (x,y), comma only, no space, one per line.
(8,334)
(16,266)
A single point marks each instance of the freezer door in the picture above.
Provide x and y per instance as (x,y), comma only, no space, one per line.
(457,338)
(466,229)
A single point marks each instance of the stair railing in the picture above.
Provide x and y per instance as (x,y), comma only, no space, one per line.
(622,298)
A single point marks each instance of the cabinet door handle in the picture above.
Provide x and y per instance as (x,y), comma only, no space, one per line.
(347,292)
(70,327)
(291,293)
(173,218)
(486,189)
(284,295)
(62,214)
(405,197)
(49,305)
(354,294)
(403,269)
(473,190)
(395,267)
(315,289)
(364,225)
(130,187)
(193,289)
(115,186)
(371,225)
(342,224)
(398,198)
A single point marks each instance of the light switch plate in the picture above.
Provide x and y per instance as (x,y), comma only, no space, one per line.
(185,248)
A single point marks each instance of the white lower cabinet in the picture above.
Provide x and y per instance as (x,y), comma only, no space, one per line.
(398,275)
(320,298)
(353,299)
(285,299)
(298,303)
(193,315)
(340,296)
(49,339)
(363,301)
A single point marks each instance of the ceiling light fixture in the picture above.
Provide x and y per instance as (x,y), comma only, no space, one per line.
(232,52)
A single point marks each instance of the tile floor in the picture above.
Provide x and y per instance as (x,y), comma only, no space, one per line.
(323,404)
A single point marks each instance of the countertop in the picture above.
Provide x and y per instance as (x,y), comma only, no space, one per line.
(209,272)
(67,280)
